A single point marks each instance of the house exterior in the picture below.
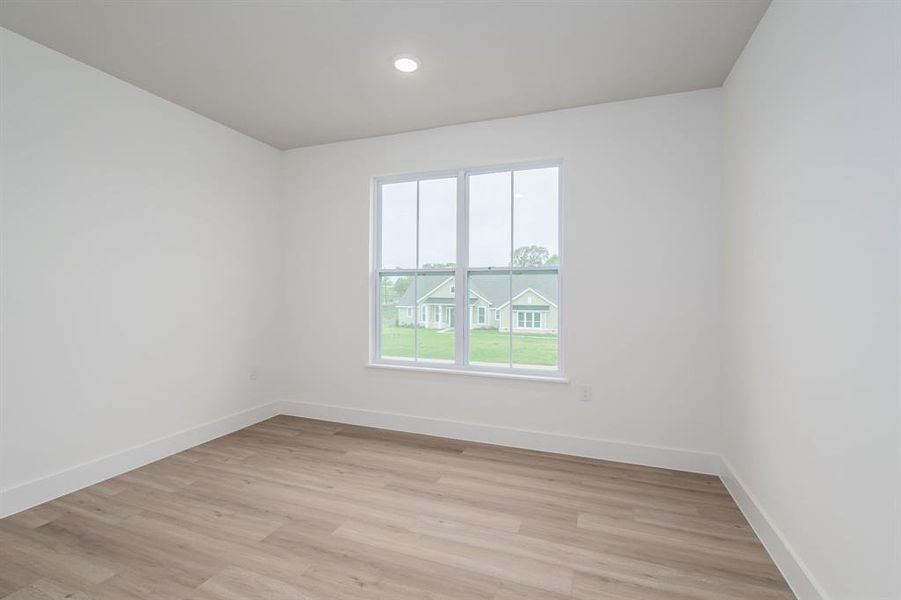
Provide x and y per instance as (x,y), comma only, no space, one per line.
(534,306)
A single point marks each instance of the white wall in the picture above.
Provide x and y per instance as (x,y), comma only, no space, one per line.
(811,414)
(642,287)
(140,269)
(143,249)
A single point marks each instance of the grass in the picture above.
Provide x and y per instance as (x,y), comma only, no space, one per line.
(485,346)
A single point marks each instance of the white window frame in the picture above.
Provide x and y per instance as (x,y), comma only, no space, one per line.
(461,273)
(481,313)
(528,319)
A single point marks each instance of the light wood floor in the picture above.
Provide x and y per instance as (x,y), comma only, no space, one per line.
(299,509)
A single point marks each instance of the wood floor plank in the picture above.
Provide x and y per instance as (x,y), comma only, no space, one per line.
(331,554)
(45,589)
(235,583)
(497,563)
(663,560)
(302,509)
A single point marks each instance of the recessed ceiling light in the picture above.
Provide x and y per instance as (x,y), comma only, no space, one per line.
(406,63)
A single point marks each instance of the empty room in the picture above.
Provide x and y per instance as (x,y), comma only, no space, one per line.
(450,300)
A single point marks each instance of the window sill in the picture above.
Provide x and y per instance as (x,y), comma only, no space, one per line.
(530,376)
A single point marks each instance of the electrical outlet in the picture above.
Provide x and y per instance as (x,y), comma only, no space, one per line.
(585,393)
(254,375)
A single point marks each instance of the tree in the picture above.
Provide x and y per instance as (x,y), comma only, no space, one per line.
(531,256)
(400,286)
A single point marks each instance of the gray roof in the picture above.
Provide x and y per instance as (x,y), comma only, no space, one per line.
(494,287)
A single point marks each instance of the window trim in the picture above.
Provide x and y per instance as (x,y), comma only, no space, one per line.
(530,319)
(461,273)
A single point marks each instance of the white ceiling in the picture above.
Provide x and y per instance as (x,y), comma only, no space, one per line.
(297,73)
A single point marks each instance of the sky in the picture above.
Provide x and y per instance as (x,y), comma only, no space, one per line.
(535,194)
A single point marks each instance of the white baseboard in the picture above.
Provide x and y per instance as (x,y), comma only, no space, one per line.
(804,585)
(44,489)
(652,456)
(32,493)
(799,578)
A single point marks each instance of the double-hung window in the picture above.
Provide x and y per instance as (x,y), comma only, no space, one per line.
(475,255)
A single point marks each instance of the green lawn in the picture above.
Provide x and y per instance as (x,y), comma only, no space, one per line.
(485,346)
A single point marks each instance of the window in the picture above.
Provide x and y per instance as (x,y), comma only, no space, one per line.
(491,234)
(528,319)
